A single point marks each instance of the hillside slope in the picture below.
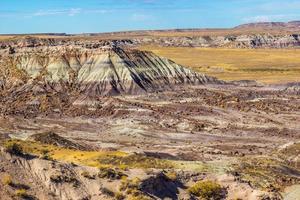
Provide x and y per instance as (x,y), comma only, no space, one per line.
(74,72)
(103,70)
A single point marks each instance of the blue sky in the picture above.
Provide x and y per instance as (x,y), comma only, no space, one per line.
(83,16)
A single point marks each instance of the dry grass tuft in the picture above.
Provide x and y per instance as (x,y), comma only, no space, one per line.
(207,190)
(21,193)
(99,159)
(13,148)
(7,180)
(171,175)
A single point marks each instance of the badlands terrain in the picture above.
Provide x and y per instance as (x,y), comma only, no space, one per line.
(110,116)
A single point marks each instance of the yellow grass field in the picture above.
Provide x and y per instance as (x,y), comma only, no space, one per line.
(5,37)
(262,65)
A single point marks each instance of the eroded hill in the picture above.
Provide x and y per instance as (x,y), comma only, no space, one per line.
(101,68)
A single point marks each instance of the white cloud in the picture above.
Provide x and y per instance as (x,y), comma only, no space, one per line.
(101,11)
(141,17)
(271,18)
(74,11)
(70,12)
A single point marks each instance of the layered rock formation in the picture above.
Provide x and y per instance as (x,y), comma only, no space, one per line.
(292,25)
(100,70)
(230,41)
(60,76)
(262,40)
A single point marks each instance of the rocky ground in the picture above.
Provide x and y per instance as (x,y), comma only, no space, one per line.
(108,122)
(239,132)
(228,41)
(225,40)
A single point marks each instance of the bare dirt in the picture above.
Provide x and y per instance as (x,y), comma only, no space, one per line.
(238,130)
(66,137)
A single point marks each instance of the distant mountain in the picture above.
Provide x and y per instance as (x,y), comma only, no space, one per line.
(271,25)
(275,28)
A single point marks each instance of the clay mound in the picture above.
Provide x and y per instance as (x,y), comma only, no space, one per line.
(60,78)
(106,68)
(54,139)
(161,186)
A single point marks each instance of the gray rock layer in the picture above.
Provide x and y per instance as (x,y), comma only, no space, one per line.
(241,41)
(106,70)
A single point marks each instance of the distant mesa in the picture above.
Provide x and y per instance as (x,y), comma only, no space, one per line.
(267,25)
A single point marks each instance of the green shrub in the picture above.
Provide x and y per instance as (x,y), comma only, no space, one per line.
(131,187)
(45,155)
(64,178)
(119,196)
(107,192)
(130,184)
(207,190)
(139,197)
(114,195)
(110,174)
(87,175)
(44,151)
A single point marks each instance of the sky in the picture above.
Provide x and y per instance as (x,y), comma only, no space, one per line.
(88,16)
